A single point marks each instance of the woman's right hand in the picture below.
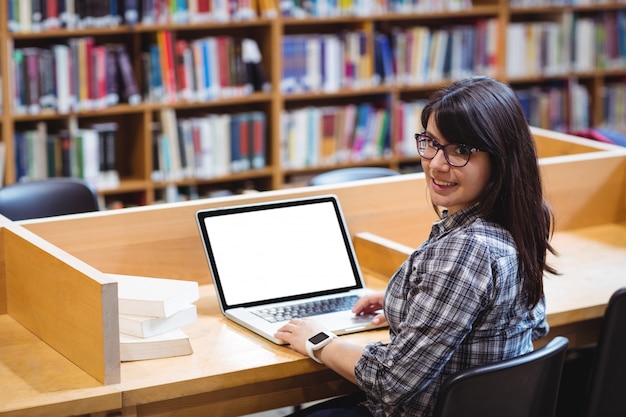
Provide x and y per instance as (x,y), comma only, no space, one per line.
(369,304)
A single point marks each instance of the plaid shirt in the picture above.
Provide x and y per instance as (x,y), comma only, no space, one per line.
(455,303)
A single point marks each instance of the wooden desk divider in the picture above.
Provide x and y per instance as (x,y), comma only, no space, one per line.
(65,302)
(585,187)
(379,255)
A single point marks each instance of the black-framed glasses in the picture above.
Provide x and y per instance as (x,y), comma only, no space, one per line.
(457,155)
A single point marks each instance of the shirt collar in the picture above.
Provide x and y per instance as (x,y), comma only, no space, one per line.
(456,220)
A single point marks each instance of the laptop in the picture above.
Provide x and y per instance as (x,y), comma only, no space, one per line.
(282,259)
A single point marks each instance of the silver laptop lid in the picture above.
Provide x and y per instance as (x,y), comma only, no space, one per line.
(278,251)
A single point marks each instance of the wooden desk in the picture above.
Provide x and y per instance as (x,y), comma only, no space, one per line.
(232,371)
(39,381)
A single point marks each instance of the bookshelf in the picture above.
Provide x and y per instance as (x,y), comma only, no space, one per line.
(578,88)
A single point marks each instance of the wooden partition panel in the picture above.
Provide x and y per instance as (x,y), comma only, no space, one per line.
(587,189)
(65,302)
(584,190)
(550,143)
(3,289)
(163,240)
(378,255)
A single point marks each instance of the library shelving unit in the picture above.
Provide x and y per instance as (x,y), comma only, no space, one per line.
(377,60)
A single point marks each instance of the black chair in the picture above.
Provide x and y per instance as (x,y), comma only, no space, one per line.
(46,198)
(525,386)
(351,174)
(607,382)
(594,378)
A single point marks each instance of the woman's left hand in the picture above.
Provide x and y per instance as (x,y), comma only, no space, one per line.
(297,332)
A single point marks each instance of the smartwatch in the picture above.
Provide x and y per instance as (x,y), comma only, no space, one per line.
(317,342)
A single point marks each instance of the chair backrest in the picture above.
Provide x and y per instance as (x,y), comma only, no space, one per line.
(46,198)
(351,174)
(607,381)
(525,386)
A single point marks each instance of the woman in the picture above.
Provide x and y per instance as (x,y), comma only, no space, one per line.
(472,293)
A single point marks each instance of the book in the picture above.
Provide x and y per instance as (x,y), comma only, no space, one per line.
(47,80)
(108,176)
(131,91)
(111,75)
(169,124)
(99,79)
(146,326)
(131,12)
(258,139)
(203,146)
(85,156)
(37,15)
(328,139)
(224,63)
(383,58)
(168,70)
(31,80)
(173,343)
(255,73)
(184,67)
(62,73)
(153,297)
(154,76)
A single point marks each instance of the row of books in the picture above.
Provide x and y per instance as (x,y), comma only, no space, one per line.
(408,122)
(88,76)
(564,106)
(44,15)
(202,69)
(323,136)
(78,76)
(573,43)
(326,62)
(152,313)
(87,153)
(547,3)
(423,54)
(410,56)
(48,15)
(209,146)
(331,8)
(196,11)
(614,105)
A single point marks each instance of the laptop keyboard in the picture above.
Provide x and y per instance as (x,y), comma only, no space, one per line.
(311,308)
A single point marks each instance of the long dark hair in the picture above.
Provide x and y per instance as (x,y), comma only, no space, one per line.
(484,113)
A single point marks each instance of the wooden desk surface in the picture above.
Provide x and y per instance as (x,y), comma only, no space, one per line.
(39,381)
(238,372)
(592,262)
(231,372)
(234,372)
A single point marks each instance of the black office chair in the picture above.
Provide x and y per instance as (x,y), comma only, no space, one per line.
(607,383)
(525,386)
(594,378)
(351,174)
(46,198)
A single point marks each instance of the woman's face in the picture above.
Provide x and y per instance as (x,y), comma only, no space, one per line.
(450,187)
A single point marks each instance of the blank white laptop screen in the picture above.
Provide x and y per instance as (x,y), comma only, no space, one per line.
(276,251)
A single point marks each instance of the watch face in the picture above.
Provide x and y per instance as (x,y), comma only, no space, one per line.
(318,338)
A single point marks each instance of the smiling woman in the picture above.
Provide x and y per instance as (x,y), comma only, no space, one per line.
(472,293)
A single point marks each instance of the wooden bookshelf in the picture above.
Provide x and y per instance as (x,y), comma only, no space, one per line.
(135,156)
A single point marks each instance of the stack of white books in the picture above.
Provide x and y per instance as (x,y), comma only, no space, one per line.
(151,314)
